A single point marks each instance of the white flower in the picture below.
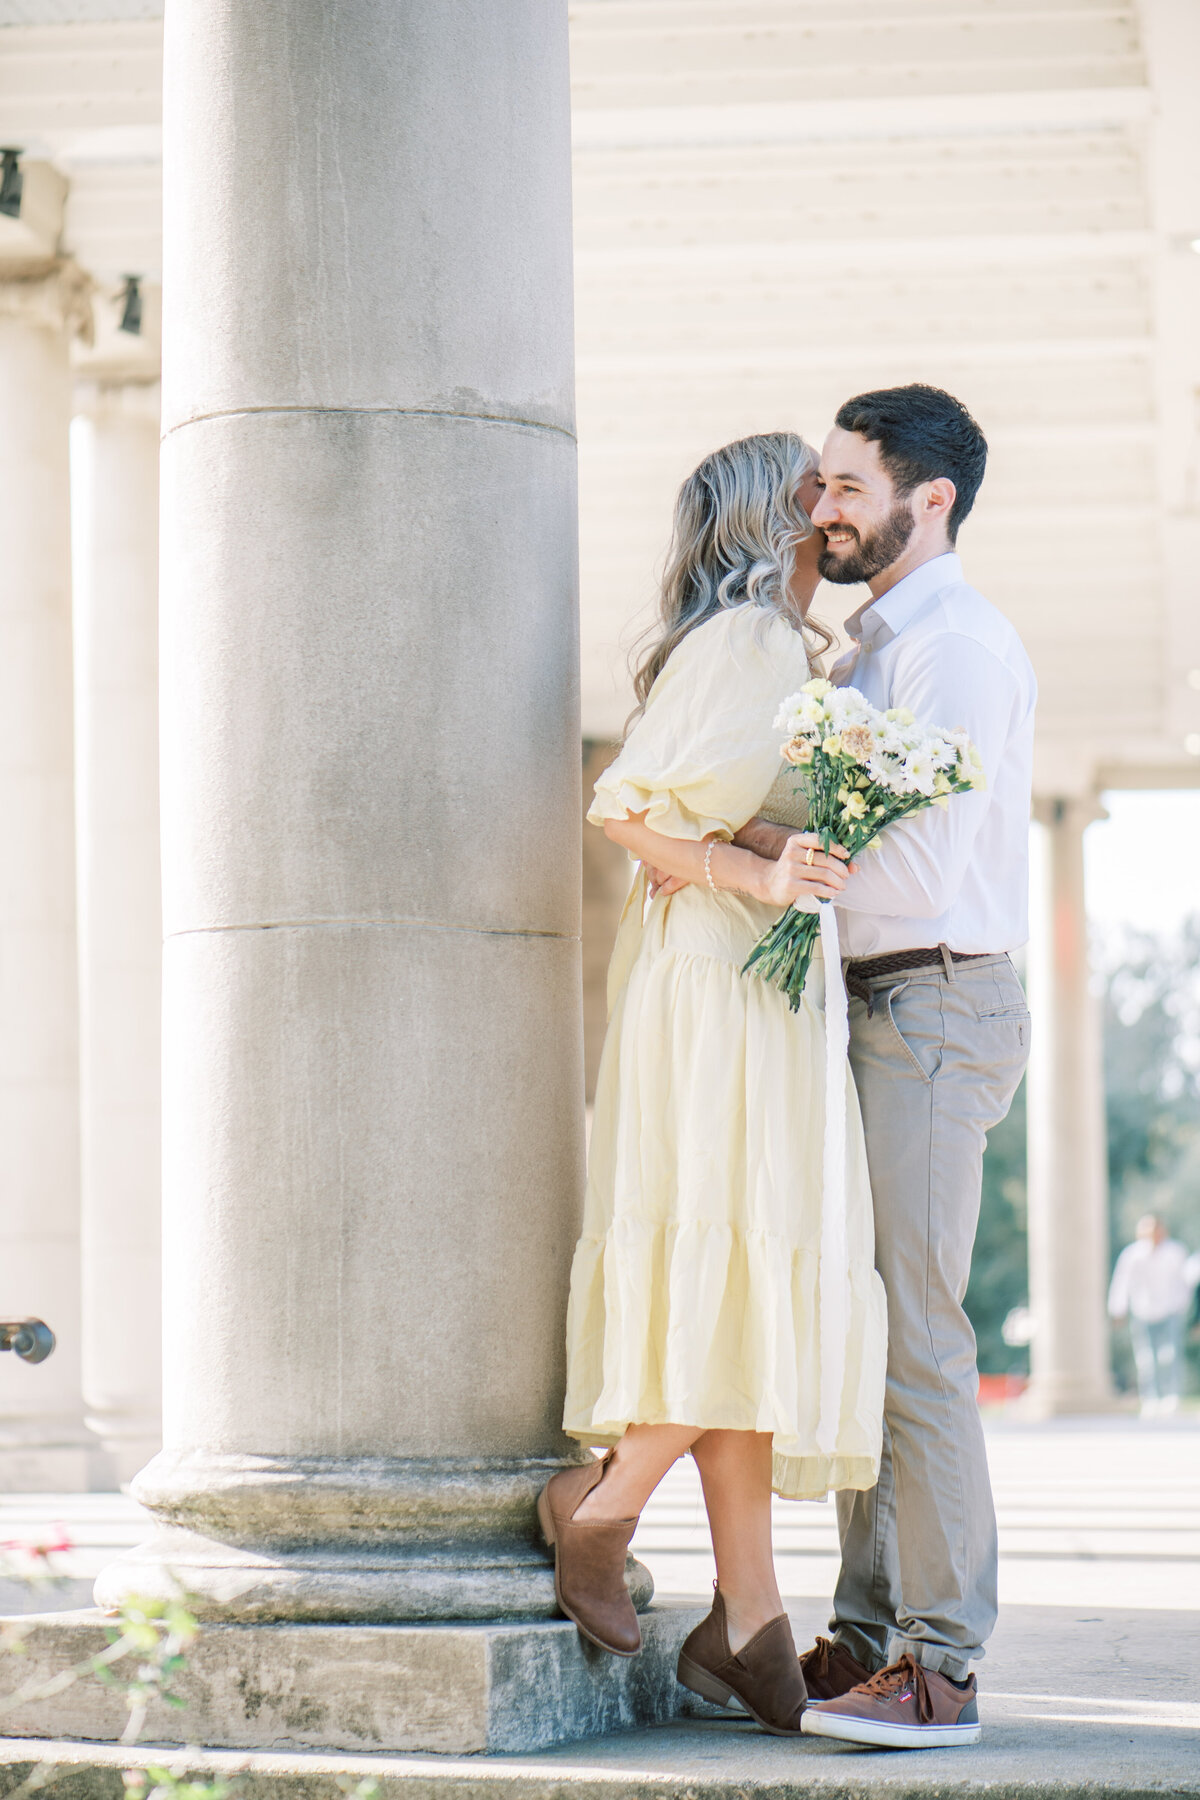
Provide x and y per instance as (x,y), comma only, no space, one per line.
(846,706)
(919,772)
(886,771)
(888,741)
(801,716)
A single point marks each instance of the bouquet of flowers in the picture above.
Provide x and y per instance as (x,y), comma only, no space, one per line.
(861,769)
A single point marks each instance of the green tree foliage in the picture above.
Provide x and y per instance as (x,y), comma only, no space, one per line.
(1151,1019)
(1000,1267)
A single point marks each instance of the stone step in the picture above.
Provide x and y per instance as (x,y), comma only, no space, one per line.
(1104,1706)
(1021,1758)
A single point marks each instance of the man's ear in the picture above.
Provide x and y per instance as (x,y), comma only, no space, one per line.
(940,496)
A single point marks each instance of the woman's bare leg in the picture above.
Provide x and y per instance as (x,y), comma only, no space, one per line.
(735,1467)
(638,1464)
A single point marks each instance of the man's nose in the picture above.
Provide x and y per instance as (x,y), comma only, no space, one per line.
(824,512)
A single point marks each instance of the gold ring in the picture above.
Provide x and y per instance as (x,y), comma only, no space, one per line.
(811,853)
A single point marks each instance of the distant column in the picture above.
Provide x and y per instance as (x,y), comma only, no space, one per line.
(115,475)
(1068,1183)
(43,1441)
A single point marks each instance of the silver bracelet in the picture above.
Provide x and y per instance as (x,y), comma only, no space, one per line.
(708,864)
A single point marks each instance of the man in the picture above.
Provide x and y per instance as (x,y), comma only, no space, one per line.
(1152,1287)
(939,1036)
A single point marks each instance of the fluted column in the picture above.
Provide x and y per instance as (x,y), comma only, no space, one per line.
(43,1442)
(115,483)
(1068,1182)
(373,1079)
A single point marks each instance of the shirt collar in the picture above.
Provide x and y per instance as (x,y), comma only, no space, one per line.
(879,621)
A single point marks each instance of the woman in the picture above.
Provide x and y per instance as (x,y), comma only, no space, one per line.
(693,1319)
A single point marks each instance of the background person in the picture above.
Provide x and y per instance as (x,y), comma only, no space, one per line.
(1152,1288)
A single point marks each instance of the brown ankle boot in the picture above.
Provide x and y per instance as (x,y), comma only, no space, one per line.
(589,1561)
(764,1675)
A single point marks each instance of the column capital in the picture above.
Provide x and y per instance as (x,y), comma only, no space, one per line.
(113,397)
(59,300)
(1080,810)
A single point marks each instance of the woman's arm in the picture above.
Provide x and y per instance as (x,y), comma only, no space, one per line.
(777,883)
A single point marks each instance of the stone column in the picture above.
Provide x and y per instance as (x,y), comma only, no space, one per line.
(1068,1183)
(115,492)
(373,1088)
(43,1442)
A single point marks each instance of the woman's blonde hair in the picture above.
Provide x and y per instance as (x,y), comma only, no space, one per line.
(737,522)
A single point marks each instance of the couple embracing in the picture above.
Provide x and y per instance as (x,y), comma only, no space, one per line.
(694,1320)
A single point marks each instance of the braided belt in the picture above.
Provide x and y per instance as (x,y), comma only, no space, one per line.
(862,969)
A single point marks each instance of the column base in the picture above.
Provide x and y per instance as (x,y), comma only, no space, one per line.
(322,1540)
(124,1445)
(64,1467)
(1052,1398)
(224,1583)
(451,1689)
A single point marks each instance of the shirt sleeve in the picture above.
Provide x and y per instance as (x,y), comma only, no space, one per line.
(1118,1293)
(917,866)
(704,753)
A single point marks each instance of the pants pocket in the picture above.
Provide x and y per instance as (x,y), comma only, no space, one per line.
(914,1013)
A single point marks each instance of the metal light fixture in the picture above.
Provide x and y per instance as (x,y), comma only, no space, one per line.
(131,310)
(11,183)
(32,1339)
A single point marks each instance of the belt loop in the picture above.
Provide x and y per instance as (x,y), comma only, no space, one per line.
(947,961)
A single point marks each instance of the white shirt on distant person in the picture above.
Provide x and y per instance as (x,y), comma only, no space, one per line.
(958,876)
(1152,1282)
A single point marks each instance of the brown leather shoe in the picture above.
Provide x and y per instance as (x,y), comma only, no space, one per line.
(764,1675)
(830,1671)
(589,1561)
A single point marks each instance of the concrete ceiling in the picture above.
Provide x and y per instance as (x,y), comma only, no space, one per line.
(778,203)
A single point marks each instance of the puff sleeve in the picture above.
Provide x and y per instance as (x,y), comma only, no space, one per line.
(703,754)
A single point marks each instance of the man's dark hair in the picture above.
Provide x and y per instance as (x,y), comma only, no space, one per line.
(922,433)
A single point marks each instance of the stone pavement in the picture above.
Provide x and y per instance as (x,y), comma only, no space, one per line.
(1091,1684)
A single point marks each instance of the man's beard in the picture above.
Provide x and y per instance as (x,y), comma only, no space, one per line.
(872,554)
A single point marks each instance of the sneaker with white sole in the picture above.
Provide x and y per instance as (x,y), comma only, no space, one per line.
(905,1707)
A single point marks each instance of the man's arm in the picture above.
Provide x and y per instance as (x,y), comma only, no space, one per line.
(763,838)
(917,866)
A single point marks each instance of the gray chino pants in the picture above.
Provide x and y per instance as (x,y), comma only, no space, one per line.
(937,1061)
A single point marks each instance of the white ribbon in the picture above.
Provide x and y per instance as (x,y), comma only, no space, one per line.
(834,1280)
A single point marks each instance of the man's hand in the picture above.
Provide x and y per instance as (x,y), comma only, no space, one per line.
(763,838)
(662,883)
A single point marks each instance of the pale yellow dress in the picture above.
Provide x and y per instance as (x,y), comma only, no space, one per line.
(694,1288)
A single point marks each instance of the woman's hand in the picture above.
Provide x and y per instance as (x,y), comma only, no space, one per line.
(805,873)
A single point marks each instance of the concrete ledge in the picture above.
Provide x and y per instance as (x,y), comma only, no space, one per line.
(452,1689)
(682,1761)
